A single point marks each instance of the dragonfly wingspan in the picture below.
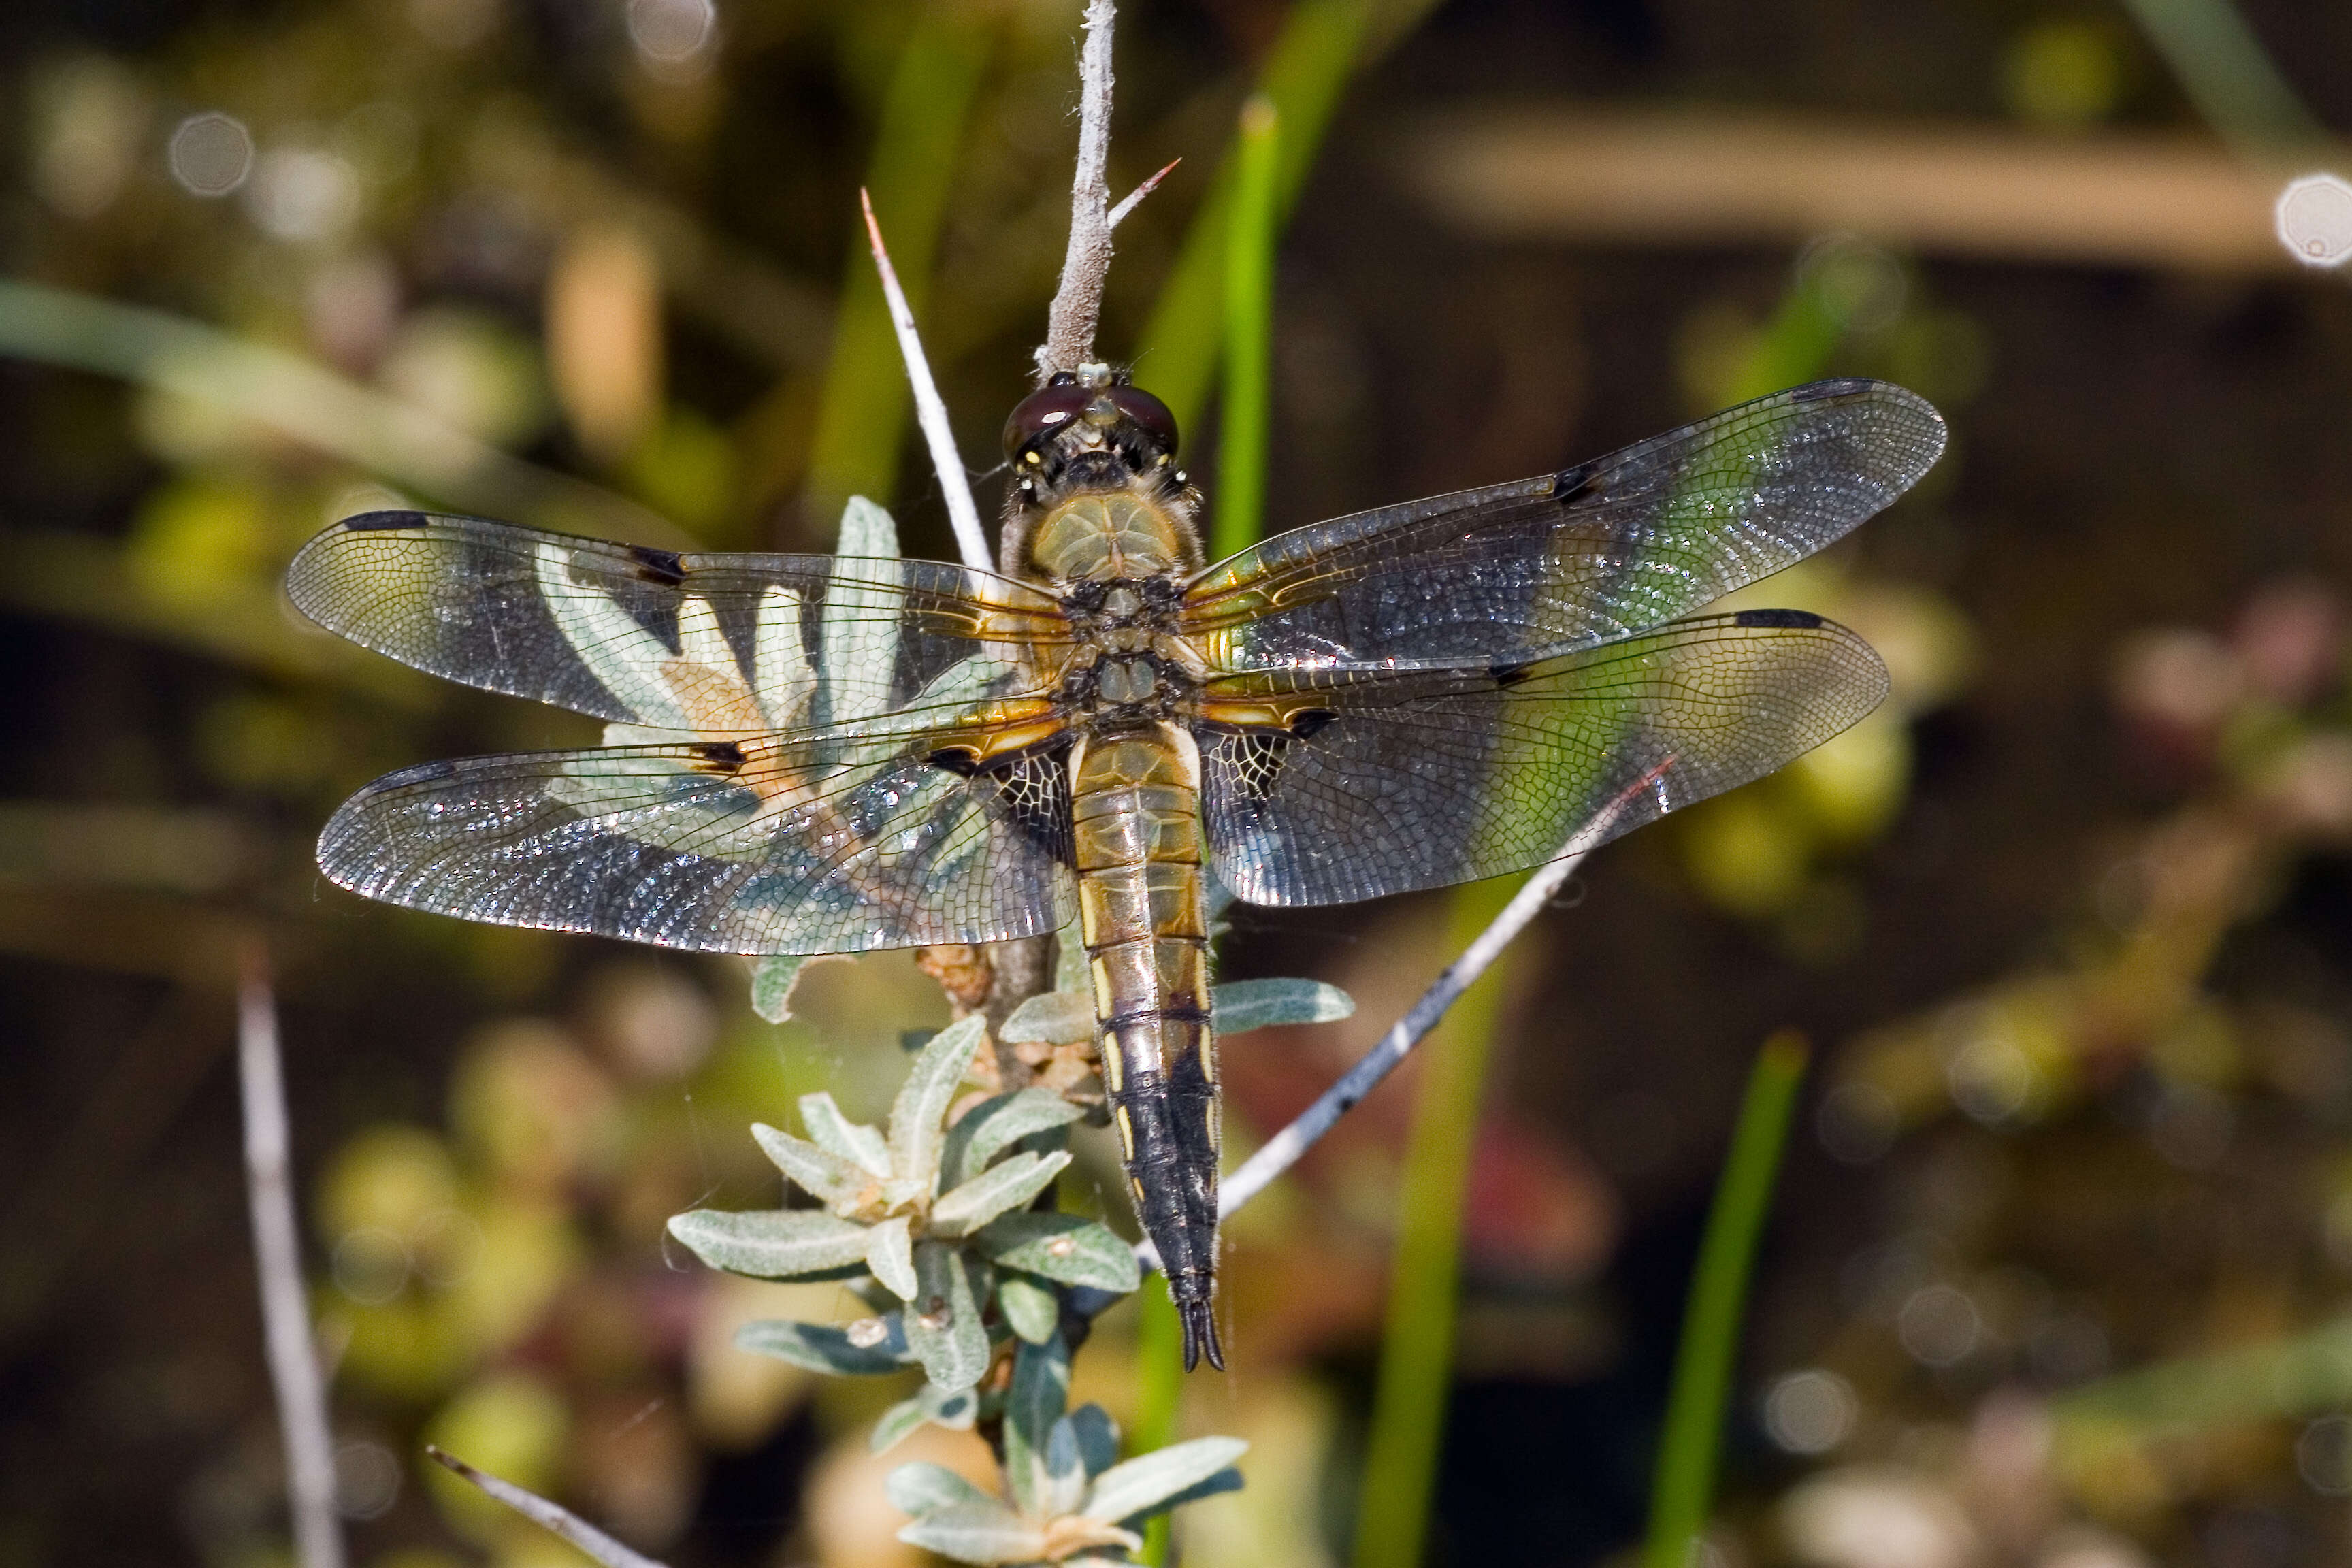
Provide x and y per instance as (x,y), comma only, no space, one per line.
(1594,552)
(703,644)
(1357,781)
(828,841)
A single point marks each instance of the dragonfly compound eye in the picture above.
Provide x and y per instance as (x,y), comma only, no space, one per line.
(1148,412)
(1041,414)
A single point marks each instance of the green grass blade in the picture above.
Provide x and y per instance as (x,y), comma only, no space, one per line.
(1321,45)
(1681,1488)
(863,416)
(1417,1351)
(1158,1383)
(1245,415)
(2227,74)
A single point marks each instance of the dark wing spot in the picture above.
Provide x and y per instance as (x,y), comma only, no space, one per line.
(956,760)
(661,566)
(1507,676)
(1792,620)
(1311,723)
(724,758)
(372,522)
(1575,484)
(1822,391)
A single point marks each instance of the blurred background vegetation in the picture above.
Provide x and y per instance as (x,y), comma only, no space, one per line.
(2061,1265)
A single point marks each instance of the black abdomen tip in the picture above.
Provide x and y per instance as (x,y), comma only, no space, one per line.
(1200,1320)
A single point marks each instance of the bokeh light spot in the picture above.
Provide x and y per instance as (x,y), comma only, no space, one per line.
(210,155)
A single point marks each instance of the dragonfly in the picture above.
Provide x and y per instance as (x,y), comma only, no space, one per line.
(821,754)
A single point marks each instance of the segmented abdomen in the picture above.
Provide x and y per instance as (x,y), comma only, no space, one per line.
(1143,912)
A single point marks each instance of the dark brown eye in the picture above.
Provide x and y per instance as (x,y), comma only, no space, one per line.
(1149,412)
(1042,412)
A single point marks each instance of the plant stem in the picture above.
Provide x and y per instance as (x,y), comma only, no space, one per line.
(1242,414)
(1683,1486)
(1321,45)
(1159,1386)
(1417,1351)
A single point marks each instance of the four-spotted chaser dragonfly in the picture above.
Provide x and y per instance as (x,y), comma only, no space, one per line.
(815,754)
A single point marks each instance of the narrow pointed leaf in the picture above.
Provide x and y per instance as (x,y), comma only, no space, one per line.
(943,1325)
(988,1129)
(831,1177)
(922,1487)
(1065,1470)
(1241,1006)
(771,985)
(992,1192)
(921,1108)
(1150,1481)
(859,637)
(890,1253)
(977,1532)
(831,1130)
(771,1244)
(831,1347)
(1040,1389)
(1054,1018)
(1063,1248)
(1098,1438)
(897,1423)
(1031,1309)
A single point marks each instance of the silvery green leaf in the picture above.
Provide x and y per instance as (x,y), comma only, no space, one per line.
(1053,1018)
(867,1348)
(860,619)
(897,1423)
(820,1171)
(921,1487)
(993,1125)
(772,979)
(1241,1006)
(621,654)
(890,1253)
(1151,1482)
(1000,1187)
(953,1408)
(1041,1388)
(983,1532)
(918,1115)
(771,1244)
(1032,1310)
(1065,1472)
(943,1326)
(853,1141)
(1098,1438)
(1063,1248)
(781,678)
(1070,961)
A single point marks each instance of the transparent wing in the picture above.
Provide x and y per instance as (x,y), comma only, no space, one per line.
(1389,780)
(1576,558)
(696,643)
(836,840)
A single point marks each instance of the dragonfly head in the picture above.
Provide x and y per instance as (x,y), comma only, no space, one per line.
(1092,435)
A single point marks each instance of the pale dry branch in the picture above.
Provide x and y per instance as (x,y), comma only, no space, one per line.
(551,1517)
(930,410)
(277,1259)
(1078,303)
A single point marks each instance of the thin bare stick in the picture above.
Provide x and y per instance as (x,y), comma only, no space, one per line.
(930,411)
(1078,303)
(1118,215)
(278,1256)
(548,1516)
(1284,1150)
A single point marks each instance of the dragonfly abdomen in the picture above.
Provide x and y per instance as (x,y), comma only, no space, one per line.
(1143,914)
